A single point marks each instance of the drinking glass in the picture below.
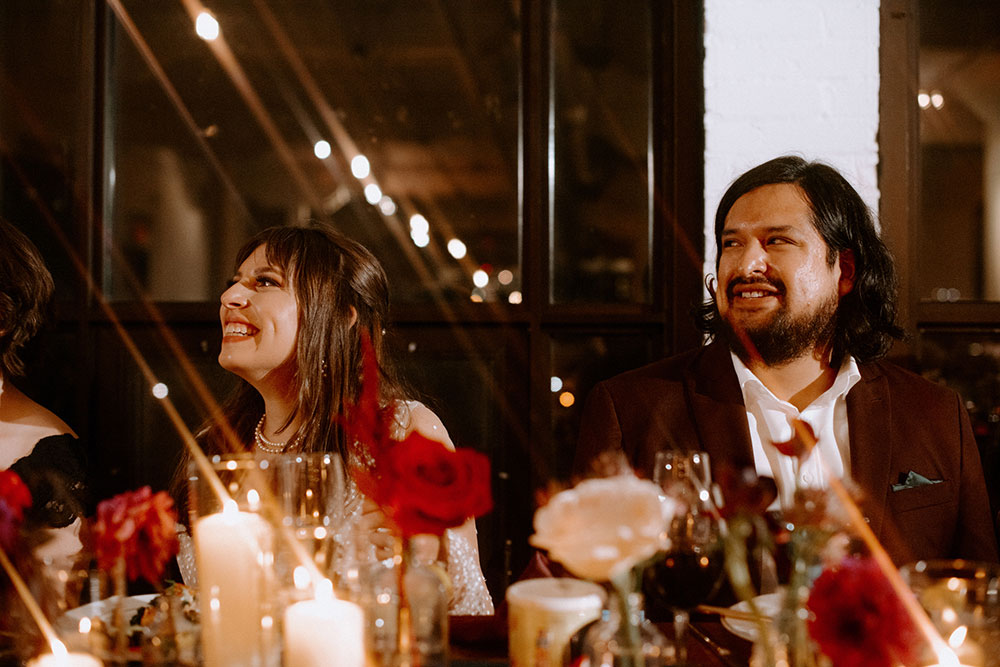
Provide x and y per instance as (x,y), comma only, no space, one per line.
(690,571)
(234,551)
(962,599)
(310,495)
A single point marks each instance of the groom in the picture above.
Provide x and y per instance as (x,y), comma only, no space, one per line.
(802,313)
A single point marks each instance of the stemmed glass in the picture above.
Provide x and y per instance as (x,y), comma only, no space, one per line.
(690,571)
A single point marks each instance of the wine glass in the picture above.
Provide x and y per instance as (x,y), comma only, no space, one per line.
(690,571)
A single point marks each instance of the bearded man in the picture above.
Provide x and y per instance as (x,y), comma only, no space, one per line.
(803,310)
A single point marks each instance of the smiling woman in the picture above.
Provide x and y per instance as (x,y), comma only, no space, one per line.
(294,320)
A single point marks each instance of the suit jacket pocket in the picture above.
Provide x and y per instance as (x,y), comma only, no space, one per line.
(921,496)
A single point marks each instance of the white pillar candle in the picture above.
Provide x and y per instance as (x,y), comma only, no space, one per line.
(324,633)
(544,613)
(234,556)
(65,660)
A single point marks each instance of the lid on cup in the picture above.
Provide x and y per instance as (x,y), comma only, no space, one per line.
(556,594)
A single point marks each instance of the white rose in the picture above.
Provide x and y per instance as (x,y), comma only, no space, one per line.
(603,527)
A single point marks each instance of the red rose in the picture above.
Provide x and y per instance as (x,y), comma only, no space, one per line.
(14,499)
(139,527)
(858,618)
(428,488)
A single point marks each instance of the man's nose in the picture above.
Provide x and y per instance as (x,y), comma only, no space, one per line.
(753,260)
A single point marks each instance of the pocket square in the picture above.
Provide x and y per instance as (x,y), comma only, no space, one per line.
(913,480)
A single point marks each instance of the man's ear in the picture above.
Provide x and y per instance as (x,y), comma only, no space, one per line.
(846,282)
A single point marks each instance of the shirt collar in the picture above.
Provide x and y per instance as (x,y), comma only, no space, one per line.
(847,377)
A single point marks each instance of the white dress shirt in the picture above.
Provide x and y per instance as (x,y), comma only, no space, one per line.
(769,420)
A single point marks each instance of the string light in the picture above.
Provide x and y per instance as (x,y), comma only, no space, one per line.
(373,193)
(206,26)
(322,149)
(360,166)
(456,249)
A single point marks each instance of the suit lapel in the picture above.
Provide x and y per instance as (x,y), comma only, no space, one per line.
(869,418)
(717,410)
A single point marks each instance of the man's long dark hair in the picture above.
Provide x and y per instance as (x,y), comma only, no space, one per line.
(866,316)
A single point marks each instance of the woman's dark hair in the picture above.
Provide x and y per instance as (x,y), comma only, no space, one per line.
(24,296)
(866,316)
(330,274)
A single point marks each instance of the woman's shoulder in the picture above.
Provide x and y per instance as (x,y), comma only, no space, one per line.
(415,416)
(23,424)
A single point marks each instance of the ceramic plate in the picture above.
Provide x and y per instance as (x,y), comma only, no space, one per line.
(769,605)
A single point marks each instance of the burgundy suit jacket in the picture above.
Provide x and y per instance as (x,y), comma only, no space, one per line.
(898,422)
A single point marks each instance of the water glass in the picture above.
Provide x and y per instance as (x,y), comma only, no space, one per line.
(962,599)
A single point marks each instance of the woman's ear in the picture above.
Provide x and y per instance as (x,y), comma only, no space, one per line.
(354,317)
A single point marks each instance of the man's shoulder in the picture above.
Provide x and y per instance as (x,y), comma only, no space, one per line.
(905,383)
(669,370)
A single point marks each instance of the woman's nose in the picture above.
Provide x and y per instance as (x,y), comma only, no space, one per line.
(235,296)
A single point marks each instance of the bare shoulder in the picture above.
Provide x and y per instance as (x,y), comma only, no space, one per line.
(23,422)
(418,417)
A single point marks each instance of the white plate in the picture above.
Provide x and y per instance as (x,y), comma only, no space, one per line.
(102,609)
(769,605)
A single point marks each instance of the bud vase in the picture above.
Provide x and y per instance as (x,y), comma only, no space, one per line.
(624,638)
(406,600)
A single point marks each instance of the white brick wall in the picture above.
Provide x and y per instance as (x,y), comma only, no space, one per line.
(789,76)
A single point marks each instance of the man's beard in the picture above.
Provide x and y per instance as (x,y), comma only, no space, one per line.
(784,337)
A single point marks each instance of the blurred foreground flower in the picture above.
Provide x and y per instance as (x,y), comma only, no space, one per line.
(138,527)
(14,499)
(858,619)
(602,528)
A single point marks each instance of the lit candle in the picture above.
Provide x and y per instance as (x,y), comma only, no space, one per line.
(324,632)
(234,555)
(65,660)
(544,614)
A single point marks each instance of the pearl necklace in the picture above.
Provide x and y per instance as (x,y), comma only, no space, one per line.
(269,447)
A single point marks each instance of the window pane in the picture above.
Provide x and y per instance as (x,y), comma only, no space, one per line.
(959,235)
(969,363)
(599,144)
(579,361)
(426,92)
(46,94)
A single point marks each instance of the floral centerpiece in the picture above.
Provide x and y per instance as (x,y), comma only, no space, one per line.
(607,530)
(421,485)
(839,606)
(135,536)
(423,488)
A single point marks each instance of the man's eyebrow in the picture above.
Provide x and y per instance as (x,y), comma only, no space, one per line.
(776,229)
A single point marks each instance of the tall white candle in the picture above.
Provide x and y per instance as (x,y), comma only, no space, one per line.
(324,633)
(65,660)
(234,556)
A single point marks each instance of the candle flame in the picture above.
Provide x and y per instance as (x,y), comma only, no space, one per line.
(957,638)
(324,589)
(58,648)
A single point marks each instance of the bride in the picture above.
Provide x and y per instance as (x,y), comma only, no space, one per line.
(292,322)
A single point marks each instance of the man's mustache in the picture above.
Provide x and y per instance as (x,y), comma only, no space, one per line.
(776,285)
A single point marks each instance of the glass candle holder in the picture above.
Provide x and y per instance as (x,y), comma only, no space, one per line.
(234,552)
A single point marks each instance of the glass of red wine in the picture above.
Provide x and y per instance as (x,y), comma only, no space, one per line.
(690,571)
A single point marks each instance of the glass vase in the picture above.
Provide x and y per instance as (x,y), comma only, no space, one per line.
(406,602)
(624,638)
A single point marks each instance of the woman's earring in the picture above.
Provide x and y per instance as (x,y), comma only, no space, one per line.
(324,368)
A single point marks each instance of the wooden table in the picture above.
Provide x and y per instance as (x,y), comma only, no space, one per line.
(490,650)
